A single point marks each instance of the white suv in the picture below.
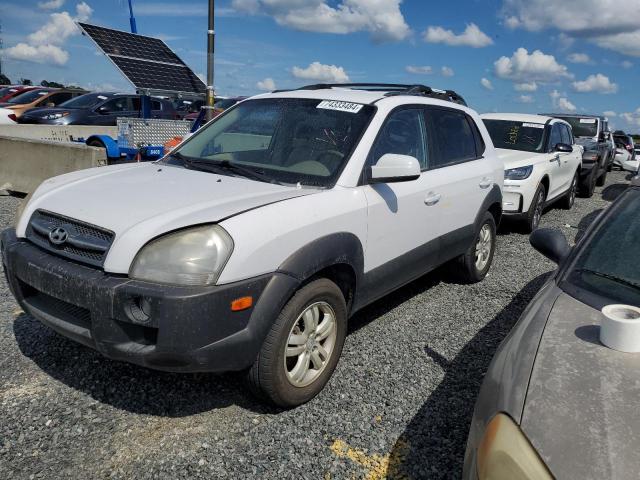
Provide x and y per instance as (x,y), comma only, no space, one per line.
(541,160)
(250,246)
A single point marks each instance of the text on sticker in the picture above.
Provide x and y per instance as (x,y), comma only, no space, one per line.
(532,125)
(587,120)
(340,106)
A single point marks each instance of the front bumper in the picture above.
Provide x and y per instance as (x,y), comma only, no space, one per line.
(179,329)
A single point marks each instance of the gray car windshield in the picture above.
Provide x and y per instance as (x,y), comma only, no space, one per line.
(527,137)
(582,127)
(281,140)
(84,101)
(608,264)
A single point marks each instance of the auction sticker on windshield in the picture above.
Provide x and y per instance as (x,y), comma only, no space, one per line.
(587,120)
(340,106)
(532,125)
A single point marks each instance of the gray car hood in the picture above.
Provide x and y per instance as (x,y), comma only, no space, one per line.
(581,412)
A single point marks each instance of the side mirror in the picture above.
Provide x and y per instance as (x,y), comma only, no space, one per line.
(392,168)
(563,148)
(104,110)
(550,243)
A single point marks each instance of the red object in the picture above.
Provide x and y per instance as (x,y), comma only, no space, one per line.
(18,90)
(12,116)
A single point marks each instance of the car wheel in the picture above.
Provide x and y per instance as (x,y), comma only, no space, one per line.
(302,348)
(589,185)
(570,198)
(473,266)
(602,179)
(534,215)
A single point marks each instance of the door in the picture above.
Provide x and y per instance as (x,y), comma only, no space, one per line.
(569,162)
(403,218)
(108,112)
(463,177)
(556,178)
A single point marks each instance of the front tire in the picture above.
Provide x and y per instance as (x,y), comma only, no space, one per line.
(302,348)
(474,265)
(589,185)
(602,179)
(534,215)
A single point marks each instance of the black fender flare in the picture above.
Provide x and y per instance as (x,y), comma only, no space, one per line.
(494,197)
(334,249)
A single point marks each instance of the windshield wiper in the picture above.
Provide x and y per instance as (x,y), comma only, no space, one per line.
(608,276)
(226,165)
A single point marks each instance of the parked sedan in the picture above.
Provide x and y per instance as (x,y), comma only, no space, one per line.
(40,97)
(542,163)
(98,109)
(556,402)
(10,91)
(625,159)
(7,117)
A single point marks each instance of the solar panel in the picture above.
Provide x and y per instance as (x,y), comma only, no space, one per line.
(148,63)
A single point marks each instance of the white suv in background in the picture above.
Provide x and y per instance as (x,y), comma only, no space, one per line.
(542,163)
(250,246)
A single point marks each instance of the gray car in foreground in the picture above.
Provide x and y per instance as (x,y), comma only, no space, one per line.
(556,402)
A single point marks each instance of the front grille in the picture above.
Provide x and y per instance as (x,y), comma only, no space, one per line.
(84,243)
(78,316)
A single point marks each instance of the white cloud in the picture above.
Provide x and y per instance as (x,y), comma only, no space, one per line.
(51,4)
(525,99)
(266,85)
(486,83)
(526,87)
(613,24)
(45,45)
(595,84)
(419,70)
(321,73)
(579,58)
(38,54)
(471,37)
(610,113)
(534,67)
(383,19)
(447,71)
(562,103)
(626,64)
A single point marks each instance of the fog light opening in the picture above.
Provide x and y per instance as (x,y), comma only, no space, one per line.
(140,309)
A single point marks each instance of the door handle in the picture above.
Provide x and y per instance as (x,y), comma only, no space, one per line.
(555,159)
(485,183)
(432,199)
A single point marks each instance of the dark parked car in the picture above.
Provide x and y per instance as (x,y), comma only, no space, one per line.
(592,132)
(98,109)
(556,402)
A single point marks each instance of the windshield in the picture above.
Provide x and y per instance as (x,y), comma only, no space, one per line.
(582,127)
(84,101)
(28,97)
(6,91)
(608,264)
(527,137)
(287,140)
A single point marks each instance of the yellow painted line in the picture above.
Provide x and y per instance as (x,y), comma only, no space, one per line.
(377,467)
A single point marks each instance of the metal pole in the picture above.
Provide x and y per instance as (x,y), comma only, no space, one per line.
(211,37)
(132,19)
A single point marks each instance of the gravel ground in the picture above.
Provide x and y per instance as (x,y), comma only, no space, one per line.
(398,405)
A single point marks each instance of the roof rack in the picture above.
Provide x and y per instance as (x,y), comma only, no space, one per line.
(392,89)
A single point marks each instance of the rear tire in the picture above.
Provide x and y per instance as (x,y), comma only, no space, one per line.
(297,359)
(602,179)
(534,215)
(473,266)
(589,185)
(569,199)
(96,143)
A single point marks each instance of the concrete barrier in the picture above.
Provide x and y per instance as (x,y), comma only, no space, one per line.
(56,133)
(25,163)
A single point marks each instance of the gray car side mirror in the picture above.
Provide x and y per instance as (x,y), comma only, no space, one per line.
(551,243)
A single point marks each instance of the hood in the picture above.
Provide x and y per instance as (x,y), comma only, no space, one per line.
(589,143)
(581,409)
(141,201)
(517,158)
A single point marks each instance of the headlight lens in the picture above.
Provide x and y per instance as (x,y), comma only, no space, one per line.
(506,454)
(520,173)
(188,257)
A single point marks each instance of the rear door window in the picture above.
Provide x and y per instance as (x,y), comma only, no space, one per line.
(453,137)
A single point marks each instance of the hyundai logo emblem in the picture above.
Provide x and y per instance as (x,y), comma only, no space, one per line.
(58,236)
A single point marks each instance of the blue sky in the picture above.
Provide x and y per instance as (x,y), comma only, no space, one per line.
(501,55)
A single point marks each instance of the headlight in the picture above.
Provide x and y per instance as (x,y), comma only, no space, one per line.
(590,156)
(520,173)
(505,454)
(55,116)
(188,257)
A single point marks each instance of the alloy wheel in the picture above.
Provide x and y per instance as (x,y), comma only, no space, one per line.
(310,344)
(483,247)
